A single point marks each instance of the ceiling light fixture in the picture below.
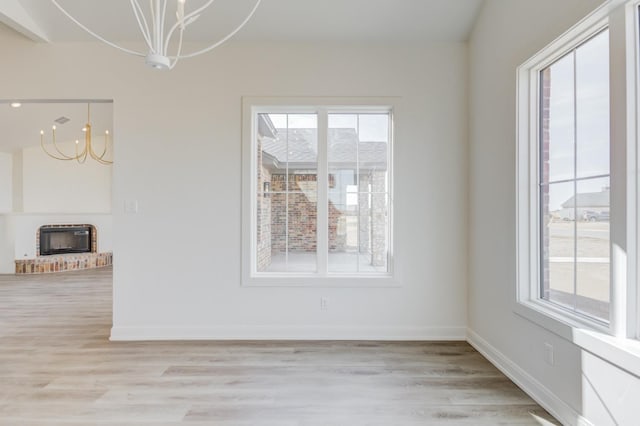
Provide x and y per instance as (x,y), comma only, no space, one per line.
(80,155)
(15,104)
(155,36)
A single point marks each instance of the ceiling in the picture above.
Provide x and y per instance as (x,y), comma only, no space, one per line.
(355,21)
(21,126)
(385,21)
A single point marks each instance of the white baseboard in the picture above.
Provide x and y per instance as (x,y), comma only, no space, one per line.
(288,333)
(536,390)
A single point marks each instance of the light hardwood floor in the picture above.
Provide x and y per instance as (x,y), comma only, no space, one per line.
(58,367)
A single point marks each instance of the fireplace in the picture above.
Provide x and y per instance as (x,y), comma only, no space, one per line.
(61,239)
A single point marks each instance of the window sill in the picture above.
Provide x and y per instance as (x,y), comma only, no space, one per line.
(314,281)
(619,351)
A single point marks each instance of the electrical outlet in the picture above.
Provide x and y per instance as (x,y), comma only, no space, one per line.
(548,353)
(131,207)
(324,304)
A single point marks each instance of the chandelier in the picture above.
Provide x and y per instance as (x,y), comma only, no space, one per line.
(155,36)
(81,154)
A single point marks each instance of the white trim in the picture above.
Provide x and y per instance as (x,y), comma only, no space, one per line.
(632,23)
(321,106)
(312,332)
(322,224)
(331,280)
(536,390)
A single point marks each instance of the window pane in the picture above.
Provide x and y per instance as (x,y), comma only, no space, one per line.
(575,214)
(557,127)
(558,243)
(272,235)
(358,166)
(264,229)
(287,192)
(592,113)
(374,232)
(593,252)
(343,237)
(301,140)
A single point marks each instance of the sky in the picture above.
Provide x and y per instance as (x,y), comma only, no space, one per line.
(590,120)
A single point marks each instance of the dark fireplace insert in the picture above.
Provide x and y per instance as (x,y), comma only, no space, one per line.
(68,239)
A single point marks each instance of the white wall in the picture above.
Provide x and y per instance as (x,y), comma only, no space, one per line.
(507,33)
(178,153)
(7,265)
(53,186)
(6,182)
(18,199)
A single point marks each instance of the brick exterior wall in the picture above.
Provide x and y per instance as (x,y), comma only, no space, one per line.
(378,220)
(301,218)
(263,215)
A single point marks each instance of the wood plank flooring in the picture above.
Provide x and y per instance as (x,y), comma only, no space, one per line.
(58,367)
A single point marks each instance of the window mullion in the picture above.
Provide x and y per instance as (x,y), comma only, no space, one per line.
(323,189)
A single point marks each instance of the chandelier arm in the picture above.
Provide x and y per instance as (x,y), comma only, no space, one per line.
(157,35)
(82,158)
(104,151)
(185,18)
(175,61)
(54,156)
(99,158)
(153,21)
(213,46)
(55,145)
(161,32)
(142,21)
(104,162)
(85,151)
(131,52)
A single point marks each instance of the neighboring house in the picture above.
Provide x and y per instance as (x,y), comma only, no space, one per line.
(291,225)
(586,206)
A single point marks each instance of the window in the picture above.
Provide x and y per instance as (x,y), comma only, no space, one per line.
(577,177)
(574,181)
(317,192)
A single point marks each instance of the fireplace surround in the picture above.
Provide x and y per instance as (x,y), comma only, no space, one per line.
(67,247)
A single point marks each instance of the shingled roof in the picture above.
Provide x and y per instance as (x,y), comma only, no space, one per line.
(345,150)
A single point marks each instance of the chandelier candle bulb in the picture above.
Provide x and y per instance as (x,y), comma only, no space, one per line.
(180,12)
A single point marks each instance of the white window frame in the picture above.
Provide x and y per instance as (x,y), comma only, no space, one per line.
(322,106)
(621,17)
